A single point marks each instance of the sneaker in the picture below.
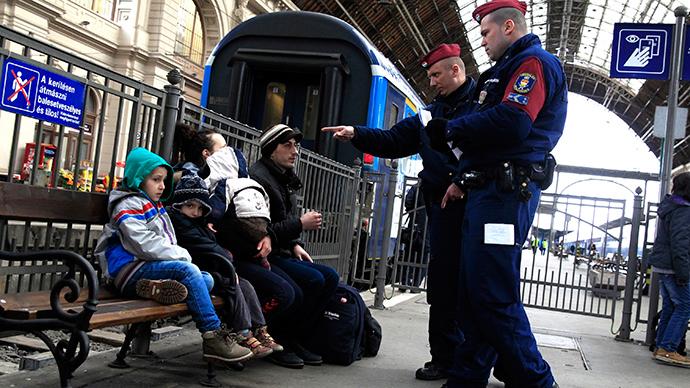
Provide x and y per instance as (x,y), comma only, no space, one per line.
(309,358)
(253,344)
(162,291)
(286,359)
(672,358)
(222,345)
(266,340)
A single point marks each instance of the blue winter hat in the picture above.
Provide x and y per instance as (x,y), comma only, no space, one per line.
(191,188)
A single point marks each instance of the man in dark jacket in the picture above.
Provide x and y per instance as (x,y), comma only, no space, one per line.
(670,260)
(316,283)
(446,73)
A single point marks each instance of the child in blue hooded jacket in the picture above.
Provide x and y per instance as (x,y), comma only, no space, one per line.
(139,255)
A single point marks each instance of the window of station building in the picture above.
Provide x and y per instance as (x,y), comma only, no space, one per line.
(104,8)
(274,104)
(190,33)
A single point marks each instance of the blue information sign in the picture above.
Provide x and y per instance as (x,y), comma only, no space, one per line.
(641,50)
(42,94)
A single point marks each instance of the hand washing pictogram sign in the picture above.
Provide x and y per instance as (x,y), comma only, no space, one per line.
(641,50)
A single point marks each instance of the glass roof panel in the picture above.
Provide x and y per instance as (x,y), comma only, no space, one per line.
(595,34)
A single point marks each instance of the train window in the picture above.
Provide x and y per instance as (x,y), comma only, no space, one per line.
(275,104)
(311,112)
(190,33)
(392,118)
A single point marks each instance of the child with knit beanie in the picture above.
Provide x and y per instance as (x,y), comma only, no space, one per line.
(189,210)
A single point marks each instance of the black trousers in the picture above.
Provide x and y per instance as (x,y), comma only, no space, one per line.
(442,283)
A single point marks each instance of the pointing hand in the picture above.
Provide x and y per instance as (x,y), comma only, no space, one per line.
(341,132)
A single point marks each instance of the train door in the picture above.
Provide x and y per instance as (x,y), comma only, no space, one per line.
(291,99)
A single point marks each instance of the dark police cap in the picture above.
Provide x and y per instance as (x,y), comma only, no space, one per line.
(443,51)
(491,6)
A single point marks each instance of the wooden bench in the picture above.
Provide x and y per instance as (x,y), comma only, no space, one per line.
(49,285)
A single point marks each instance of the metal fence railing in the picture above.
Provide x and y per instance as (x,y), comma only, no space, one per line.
(119,114)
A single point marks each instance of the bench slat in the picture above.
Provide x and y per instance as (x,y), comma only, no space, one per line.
(126,312)
(25,202)
(25,305)
(111,310)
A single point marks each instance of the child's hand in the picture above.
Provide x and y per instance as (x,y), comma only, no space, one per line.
(264,247)
(210,227)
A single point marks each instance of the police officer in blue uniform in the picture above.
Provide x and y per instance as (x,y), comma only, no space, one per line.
(446,73)
(517,117)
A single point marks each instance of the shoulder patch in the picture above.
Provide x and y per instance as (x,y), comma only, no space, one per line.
(518,98)
(524,83)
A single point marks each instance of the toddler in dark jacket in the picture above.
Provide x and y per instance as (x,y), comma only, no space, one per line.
(188,212)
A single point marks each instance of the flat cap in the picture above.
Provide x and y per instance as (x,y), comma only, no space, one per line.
(443,51)
(491,6)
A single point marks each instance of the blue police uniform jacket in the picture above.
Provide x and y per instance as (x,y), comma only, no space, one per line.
(408,137)
(518,110)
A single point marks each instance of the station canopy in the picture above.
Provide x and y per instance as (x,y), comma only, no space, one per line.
(579,32)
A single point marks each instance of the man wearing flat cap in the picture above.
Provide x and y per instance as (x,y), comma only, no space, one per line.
(516,119)
(446,73)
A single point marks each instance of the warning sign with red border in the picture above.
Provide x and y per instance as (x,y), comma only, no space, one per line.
(43,94)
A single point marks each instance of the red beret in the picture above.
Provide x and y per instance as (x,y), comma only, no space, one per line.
(443,51)
(491,6)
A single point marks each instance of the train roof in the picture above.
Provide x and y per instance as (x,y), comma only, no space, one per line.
(313,25)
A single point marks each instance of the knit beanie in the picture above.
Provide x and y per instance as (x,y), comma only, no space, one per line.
(191,188)
(275,135)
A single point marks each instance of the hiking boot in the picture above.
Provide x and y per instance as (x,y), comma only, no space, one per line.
(286,359)
(430,371)
(672,358)
(221,345)
(162,291)
(309,358)
(266,340)
(253,344)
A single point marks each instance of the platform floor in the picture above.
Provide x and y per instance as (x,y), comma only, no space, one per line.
(581,351)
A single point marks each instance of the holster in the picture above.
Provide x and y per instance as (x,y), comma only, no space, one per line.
(542,173)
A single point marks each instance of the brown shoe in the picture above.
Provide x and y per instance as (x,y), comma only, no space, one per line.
(266,339)
(220,345)
(162,291)
(254,345)
(654,354)
(672,358)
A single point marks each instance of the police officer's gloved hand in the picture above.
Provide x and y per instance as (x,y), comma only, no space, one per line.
(436,129)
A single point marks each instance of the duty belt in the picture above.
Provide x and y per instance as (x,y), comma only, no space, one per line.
(508,174)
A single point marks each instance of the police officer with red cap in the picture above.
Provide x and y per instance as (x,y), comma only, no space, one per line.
(518,114)
(446,73)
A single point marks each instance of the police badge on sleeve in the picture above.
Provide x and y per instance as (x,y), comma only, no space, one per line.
(524,83)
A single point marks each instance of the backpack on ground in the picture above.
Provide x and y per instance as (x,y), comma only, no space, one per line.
(346,331)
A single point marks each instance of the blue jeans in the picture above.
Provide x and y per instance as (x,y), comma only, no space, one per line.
(675,312)
(199,285)
(317,284)
(279,296)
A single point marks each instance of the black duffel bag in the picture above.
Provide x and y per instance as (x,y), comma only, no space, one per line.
(346,332)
